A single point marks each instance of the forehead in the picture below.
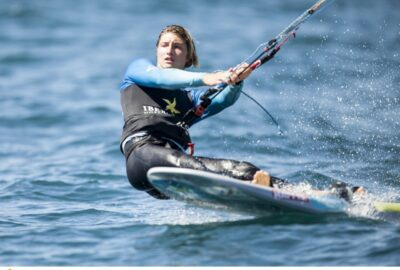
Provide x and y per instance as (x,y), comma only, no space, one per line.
(171,37)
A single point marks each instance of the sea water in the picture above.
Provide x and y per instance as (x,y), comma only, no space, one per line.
(64,196)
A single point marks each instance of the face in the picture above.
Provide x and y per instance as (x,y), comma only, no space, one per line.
(171,51)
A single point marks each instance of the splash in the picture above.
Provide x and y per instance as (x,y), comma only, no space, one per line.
(361,206)
(183,214)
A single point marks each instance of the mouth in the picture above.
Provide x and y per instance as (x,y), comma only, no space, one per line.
(168,60)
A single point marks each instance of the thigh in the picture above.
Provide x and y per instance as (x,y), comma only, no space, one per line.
(147,156)
(229,167)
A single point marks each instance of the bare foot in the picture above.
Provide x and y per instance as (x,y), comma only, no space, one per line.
(359,190)
(261,178)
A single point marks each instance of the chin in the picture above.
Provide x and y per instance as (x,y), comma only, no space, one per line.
(171,65)
(167,65)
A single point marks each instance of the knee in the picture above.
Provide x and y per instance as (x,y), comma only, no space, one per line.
(137,176)
(141,183)
(138,183)
(138,179)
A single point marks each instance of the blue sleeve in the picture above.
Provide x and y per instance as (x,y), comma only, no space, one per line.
(226,98)
(143,72)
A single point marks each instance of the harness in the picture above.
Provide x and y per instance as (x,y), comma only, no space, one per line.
(197,112)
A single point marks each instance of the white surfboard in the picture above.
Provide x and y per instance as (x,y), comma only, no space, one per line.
(209,189)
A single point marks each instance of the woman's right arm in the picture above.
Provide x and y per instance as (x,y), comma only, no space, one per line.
(145,73)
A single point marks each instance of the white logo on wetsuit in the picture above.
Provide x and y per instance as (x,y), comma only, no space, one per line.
(147,109)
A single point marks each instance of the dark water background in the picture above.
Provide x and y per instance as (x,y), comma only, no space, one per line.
(64,196)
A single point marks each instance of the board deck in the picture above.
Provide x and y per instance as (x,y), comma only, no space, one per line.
(211,189)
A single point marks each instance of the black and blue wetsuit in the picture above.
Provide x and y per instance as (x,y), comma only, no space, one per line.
(153,101)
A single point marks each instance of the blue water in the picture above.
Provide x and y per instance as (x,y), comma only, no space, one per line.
(64,196)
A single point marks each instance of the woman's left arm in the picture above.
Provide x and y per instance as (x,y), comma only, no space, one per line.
(223,100)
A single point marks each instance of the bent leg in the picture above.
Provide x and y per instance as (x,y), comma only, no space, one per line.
(147,156)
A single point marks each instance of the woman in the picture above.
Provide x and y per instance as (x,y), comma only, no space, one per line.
(153,102)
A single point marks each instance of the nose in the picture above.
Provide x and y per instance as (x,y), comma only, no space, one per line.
(170,48)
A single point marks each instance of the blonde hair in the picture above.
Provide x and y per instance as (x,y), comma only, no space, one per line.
(191,59)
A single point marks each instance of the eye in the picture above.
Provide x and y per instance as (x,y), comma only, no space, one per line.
(178,46)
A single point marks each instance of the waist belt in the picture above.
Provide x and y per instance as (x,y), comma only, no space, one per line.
(137,137)
(132,139)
